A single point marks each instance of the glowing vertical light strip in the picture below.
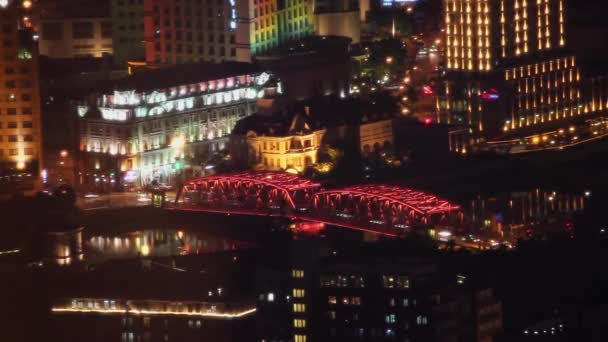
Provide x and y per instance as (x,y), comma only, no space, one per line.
(232,14)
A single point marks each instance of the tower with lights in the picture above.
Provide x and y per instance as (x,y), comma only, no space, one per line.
(20,133)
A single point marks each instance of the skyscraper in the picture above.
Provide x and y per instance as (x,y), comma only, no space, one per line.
(128,31)
(182,31)
(507,66)
(20,138)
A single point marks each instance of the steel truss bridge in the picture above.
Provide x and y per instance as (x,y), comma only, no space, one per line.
(385,209)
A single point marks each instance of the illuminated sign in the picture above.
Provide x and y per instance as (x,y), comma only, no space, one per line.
(492,94)
(389,3)
(427,90)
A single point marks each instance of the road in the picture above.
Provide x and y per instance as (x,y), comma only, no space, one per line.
(113,200)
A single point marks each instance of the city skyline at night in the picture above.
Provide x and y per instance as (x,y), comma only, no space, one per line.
(303,170)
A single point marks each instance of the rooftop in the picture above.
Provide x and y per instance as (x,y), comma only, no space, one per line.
(147,80)
(324,112)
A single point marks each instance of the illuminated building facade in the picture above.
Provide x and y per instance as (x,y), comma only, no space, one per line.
(375,136)
(506,65)
(20,137)
(128,31)
(75,37)
(179,31)
(295,149)
(160,133)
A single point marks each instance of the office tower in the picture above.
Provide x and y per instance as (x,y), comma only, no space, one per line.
(128,31)
(20,138)
(506,65)
(338,18)
(182,31)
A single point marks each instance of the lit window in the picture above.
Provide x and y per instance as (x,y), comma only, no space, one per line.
(299,323)
(395,282)
(421,320)
(332,300)
(298,307)
(299,338)
(298,293)
(297,274)
(271,297)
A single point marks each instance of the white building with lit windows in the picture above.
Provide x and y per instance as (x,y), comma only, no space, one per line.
(164,124)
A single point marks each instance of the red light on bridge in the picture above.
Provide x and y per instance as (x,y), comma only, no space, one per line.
(428,121)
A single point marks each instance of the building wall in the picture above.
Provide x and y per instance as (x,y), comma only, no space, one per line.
(20,137)
(376,135)
(479,31)
(179,31)
(277,21)
(75,37)
(345,24)
(364,8)
(286,152)
(546,91)
(128,31)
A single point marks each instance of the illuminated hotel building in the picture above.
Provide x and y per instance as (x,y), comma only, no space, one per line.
(182,31)
(157,132)
(507,66)
(20,137)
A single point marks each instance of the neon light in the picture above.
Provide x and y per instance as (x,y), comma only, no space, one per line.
(492,94)
(427,90)
(156,312)
(220,194)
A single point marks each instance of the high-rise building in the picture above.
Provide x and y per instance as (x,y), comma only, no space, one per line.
(338,18)
(75,37)
(128,31)
(182,31)
(507,66)
(20,138)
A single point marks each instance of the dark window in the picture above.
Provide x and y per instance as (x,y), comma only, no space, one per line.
(82,30)
(52,31)
(106,29)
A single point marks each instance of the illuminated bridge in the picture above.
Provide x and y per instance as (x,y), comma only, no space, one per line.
(386,209)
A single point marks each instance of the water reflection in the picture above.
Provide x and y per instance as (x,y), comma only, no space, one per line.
(157,243)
